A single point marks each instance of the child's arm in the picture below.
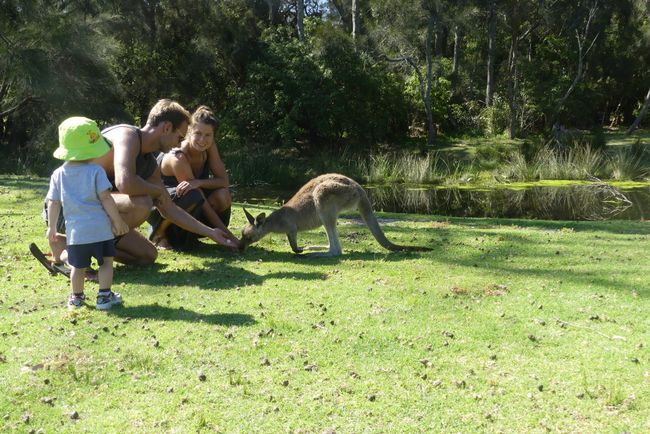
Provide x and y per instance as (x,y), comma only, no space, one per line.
(118,225)
(53,211)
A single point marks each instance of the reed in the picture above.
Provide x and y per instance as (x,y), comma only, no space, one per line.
(629,163)
(579,162)
(407,168)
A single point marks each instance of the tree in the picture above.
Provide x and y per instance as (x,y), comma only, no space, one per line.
(55,62)
(300,18)
(406,37)
(491,54)
(585,42)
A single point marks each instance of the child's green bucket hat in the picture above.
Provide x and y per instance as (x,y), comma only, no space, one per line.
(80,139)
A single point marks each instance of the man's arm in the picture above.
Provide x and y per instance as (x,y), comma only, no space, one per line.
(126,150)
(169,210)
(179,217)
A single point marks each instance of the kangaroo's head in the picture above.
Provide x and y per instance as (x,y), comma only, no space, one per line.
(254,230)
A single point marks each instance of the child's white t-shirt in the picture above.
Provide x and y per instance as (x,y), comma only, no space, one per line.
(77,186)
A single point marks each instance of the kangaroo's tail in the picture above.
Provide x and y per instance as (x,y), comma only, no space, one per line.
(368,216)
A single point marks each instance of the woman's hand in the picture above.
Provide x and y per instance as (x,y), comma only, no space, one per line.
(185,186)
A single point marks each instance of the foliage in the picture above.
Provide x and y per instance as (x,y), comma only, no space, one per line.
(564,64)
(495,119)
(277,105)
(55,64)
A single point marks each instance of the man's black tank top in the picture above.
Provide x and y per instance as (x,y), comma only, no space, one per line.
(145,164)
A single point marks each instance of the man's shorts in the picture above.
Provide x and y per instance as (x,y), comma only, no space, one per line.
(60,223)
(80,255)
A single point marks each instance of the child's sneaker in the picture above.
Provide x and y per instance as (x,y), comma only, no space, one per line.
(107,300)
(76,301)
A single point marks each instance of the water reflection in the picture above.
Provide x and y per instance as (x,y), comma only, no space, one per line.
(583,202)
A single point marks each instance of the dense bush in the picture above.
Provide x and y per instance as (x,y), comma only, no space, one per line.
(318,92)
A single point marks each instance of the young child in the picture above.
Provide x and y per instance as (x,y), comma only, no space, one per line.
(81,190)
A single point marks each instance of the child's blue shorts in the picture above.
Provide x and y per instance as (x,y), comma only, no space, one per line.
(80,255)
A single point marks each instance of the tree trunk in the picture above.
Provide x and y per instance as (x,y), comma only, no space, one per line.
(149,12)
(431,128)
(458,53)
(641,115)
(492,37)
(355,19)
(512,97)
(582,54)
(300,18)
(271,5)
(345,17)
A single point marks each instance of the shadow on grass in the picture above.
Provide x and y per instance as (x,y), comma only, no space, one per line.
(348,254)
(157,312)
(24,183)
(610,226)
(214,276)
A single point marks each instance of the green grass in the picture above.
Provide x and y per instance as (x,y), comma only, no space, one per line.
(506,326)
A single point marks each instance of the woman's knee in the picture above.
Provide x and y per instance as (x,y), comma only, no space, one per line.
(220,199)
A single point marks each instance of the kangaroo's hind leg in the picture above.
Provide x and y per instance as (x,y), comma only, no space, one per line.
(328,218)
(332,236)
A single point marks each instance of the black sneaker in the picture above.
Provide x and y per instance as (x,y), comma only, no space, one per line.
(76,301)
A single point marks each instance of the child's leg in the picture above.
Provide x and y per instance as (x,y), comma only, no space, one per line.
(105,297)
(77,276)
(106,274)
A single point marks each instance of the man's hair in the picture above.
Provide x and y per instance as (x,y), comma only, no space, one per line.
(204,115)
(167,110)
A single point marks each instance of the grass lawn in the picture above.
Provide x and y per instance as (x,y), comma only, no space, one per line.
(507,326)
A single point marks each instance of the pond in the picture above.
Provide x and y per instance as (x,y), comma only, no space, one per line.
(573,202)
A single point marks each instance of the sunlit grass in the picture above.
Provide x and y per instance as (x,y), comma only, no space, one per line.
(505,326)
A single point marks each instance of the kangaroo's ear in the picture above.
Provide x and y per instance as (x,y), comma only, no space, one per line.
(260,219)
(249,217)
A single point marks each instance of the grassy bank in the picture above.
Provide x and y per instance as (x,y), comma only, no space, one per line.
(508,325)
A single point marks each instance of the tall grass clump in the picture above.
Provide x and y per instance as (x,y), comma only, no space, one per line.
(518,168)
(578,162)
(407,168)
(629,163)
(378,168)
(575,163)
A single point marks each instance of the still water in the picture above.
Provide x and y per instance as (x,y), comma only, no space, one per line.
(577,202)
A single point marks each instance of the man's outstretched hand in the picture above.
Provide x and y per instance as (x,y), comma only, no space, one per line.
(224,239)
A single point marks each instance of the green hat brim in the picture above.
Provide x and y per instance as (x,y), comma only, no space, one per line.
(100,148)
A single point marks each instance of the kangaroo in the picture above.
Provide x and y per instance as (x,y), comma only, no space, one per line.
(319,203)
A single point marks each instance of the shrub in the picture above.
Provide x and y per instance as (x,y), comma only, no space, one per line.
(495,119)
